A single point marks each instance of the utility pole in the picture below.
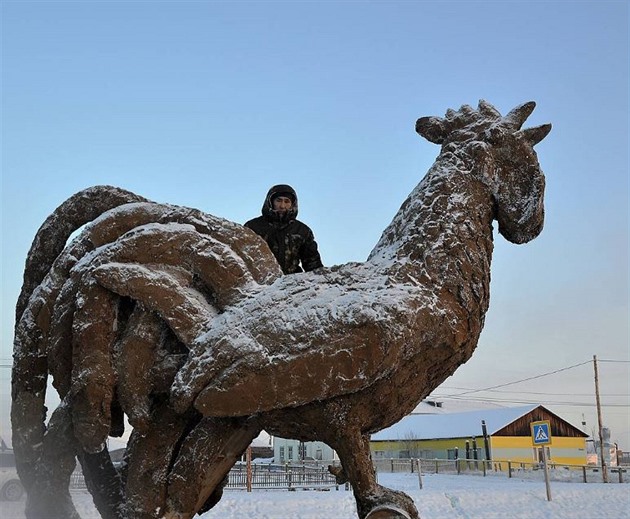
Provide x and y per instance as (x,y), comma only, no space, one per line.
(486,440)
(599,422)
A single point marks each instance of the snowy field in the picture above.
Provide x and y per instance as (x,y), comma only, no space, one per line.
(443,496)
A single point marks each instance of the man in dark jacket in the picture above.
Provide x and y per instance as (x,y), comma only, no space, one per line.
(291,241)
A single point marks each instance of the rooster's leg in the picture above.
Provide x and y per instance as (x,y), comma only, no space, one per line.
(48,494)
(204,461)
(373,500)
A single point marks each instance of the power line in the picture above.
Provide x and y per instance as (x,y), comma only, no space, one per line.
(536,392)
(523,380)
(525,401)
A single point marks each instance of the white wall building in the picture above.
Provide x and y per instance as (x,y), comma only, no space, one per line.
(294,451)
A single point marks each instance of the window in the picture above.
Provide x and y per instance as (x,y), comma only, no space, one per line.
(319,455)
(379,455)
(452,454)
(281,454)
(290,453)
(7,459)
(403,454)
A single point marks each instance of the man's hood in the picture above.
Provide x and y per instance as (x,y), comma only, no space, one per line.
(267,208)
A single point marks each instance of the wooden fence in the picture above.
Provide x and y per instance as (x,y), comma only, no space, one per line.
(577,473)
(290,476)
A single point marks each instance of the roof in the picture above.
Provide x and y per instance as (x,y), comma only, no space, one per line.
(429,407)
(432,406)
(452,425)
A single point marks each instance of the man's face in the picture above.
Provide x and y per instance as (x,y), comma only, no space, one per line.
(282,204)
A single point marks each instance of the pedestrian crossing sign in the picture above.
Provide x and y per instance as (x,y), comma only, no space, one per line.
(541,432)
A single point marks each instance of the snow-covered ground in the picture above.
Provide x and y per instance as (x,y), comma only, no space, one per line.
(442,496)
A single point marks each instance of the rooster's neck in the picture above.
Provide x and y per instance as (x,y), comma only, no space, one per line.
(441,237)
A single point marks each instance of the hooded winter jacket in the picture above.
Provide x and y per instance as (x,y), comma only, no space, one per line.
(291,241)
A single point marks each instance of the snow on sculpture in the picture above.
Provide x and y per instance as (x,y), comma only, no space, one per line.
(183,322)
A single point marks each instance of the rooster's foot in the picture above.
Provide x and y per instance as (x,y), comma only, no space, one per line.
(387,512)
(387,504)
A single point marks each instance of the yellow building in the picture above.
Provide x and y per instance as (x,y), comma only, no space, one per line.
(461,436)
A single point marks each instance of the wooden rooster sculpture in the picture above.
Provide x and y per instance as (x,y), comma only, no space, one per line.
(183,322)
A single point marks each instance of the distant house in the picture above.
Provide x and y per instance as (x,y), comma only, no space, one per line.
(261,447)
(460,435)
(294,451)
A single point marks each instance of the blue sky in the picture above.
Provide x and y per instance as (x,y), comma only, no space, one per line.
(207,104)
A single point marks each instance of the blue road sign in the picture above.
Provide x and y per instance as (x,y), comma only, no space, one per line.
(541,432)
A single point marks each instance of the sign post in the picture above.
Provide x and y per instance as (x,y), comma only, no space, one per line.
(541,435)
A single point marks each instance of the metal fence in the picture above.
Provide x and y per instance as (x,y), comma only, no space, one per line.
(76,481)
(285,476)
(282,476)
(576,473)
